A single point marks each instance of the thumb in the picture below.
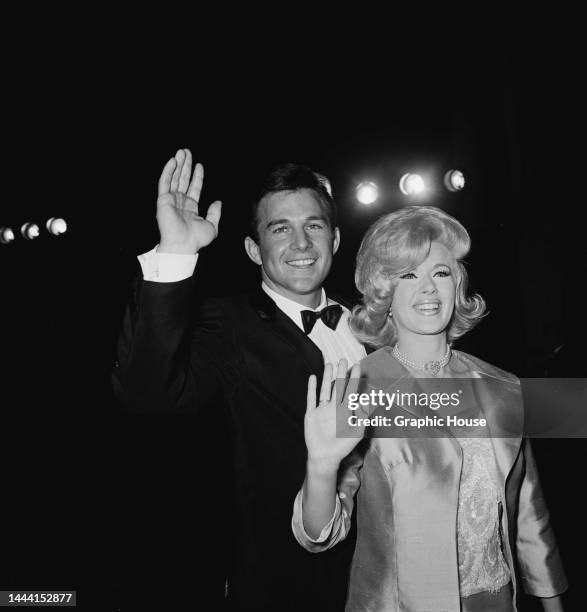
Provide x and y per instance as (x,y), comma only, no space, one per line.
(213,214)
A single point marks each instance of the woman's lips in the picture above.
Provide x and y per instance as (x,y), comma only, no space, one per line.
(427,308)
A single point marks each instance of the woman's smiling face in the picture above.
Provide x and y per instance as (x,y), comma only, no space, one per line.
(424,298)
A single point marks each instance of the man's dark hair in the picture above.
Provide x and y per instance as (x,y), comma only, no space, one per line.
(292,177)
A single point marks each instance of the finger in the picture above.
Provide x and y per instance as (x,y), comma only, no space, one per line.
(179,158)
(343,368)
(311,400)
(196,184)
(213,214)
(186,171)
(353,383)
(341,372)
(326,384)
(165,178)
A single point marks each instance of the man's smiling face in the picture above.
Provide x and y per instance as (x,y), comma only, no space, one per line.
(296,245)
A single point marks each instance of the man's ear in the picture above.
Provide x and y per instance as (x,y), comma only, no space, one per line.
(335,240)
(253,251)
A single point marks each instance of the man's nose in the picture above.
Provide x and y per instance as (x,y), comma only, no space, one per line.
(301,240)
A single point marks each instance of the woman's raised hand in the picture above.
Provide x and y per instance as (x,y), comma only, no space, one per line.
(181,227)
(324,447)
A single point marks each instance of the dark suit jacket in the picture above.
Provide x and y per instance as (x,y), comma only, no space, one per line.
(243,366)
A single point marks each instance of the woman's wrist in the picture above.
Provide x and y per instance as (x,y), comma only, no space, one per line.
(552,604)
(322,467)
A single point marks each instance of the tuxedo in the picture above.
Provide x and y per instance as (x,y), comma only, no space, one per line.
(242,366)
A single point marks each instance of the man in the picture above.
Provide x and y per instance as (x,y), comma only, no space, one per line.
(246,359)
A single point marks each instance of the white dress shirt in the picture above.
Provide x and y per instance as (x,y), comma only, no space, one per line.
(334,344)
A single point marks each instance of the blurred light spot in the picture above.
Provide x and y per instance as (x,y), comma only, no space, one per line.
(412,184)
(56,226)
(454,180)
(367,192)
(29,231)
(6,235)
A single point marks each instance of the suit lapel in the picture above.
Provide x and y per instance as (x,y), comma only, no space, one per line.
(288,331)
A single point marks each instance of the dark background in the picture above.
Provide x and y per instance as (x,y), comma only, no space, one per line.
(97,99)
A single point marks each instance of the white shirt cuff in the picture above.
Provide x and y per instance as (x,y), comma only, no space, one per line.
(166,267)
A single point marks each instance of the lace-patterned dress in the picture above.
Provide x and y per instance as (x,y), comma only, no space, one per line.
(482,565)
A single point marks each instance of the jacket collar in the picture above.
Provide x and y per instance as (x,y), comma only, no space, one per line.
(289,332)
(500,396)
(501,402)
(262,304)
(497,393)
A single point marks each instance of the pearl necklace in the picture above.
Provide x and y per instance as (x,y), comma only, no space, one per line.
(430,367)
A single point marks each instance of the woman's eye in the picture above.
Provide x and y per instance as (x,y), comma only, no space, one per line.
(443,273)
(408,275)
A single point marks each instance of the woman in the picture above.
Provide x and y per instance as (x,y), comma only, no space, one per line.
(444,522)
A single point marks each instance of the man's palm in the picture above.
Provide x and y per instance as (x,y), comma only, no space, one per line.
(182,228)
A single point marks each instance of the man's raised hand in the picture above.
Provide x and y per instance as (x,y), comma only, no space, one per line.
(181,227)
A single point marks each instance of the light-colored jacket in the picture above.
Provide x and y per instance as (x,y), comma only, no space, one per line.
(407,499)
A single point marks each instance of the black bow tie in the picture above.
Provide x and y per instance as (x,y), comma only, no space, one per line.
(329,315)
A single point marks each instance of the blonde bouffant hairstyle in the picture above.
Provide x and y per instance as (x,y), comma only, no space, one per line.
(396,244)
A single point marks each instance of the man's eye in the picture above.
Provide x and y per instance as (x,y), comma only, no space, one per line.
(315,226)
(408,275)
(279,229)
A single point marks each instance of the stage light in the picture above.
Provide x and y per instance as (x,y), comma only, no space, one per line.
(367,192)
(29,231)
(6,235)
(454,180)
(412,184)
(56,226)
